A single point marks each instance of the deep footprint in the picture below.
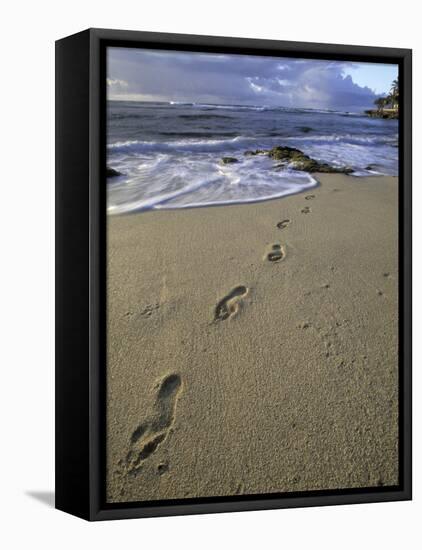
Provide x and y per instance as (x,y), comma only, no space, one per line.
(309,197)
(148,436)
(276,253)
(229,305)
(306,210)
(283,224)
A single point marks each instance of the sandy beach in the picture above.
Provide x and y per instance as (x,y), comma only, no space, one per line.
(253,347)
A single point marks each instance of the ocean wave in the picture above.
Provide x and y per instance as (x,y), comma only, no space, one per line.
(180,103)
(345,138)
(137,204)
(238,107)
(205,182)
(125,116)
(238,142)
(199,134)
(199,116)
(219,106)
(231,107)
(202,145)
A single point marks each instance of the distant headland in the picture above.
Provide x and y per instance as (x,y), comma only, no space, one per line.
(388,106)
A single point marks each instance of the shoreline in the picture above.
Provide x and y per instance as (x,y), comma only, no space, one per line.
(245,202)
(250,346)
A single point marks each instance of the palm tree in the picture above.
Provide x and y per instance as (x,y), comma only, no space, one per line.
(394,94)
(380,103)
(392,99)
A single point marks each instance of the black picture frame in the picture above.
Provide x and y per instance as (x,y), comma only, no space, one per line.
(80,273)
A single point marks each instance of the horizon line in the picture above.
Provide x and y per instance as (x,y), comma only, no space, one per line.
(191,103)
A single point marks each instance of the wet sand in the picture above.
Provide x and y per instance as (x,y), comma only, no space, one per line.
(253,348)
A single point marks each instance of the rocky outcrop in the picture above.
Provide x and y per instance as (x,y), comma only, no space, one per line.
(112,173)
(383,113)
(296,159)
(229,160)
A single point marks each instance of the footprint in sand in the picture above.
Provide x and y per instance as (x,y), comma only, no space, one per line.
(306,210)
(309,197)
(146,312)
(149,435)
(149,310)
(283,224)
(229,305)
(276,253)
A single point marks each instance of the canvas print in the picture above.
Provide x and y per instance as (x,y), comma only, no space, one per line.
(252,275)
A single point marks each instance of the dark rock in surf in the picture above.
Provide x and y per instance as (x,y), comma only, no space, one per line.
(297,160)
(287,154)
(112,173)
(253,153)
(229,160)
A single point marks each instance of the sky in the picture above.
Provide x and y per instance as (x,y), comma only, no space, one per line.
(154,75)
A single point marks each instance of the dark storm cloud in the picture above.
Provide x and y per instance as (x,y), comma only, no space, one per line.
(214,78)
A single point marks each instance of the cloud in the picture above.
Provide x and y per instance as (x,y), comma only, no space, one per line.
(116,86)
(239,79)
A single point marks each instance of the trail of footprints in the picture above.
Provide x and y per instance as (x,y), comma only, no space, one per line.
(150,434)
(230,304)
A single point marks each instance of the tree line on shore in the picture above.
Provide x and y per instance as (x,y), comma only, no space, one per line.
(391,100)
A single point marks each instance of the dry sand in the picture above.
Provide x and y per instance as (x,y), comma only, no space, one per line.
(229,373)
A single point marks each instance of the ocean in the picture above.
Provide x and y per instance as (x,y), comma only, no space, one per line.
(169,154)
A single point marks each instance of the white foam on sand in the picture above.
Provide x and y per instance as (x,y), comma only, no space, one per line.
(168,182)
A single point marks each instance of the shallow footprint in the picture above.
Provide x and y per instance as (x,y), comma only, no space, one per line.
(283,224)
(148,436)
(306,210)
(309,197)
(229,305)
(276,253)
